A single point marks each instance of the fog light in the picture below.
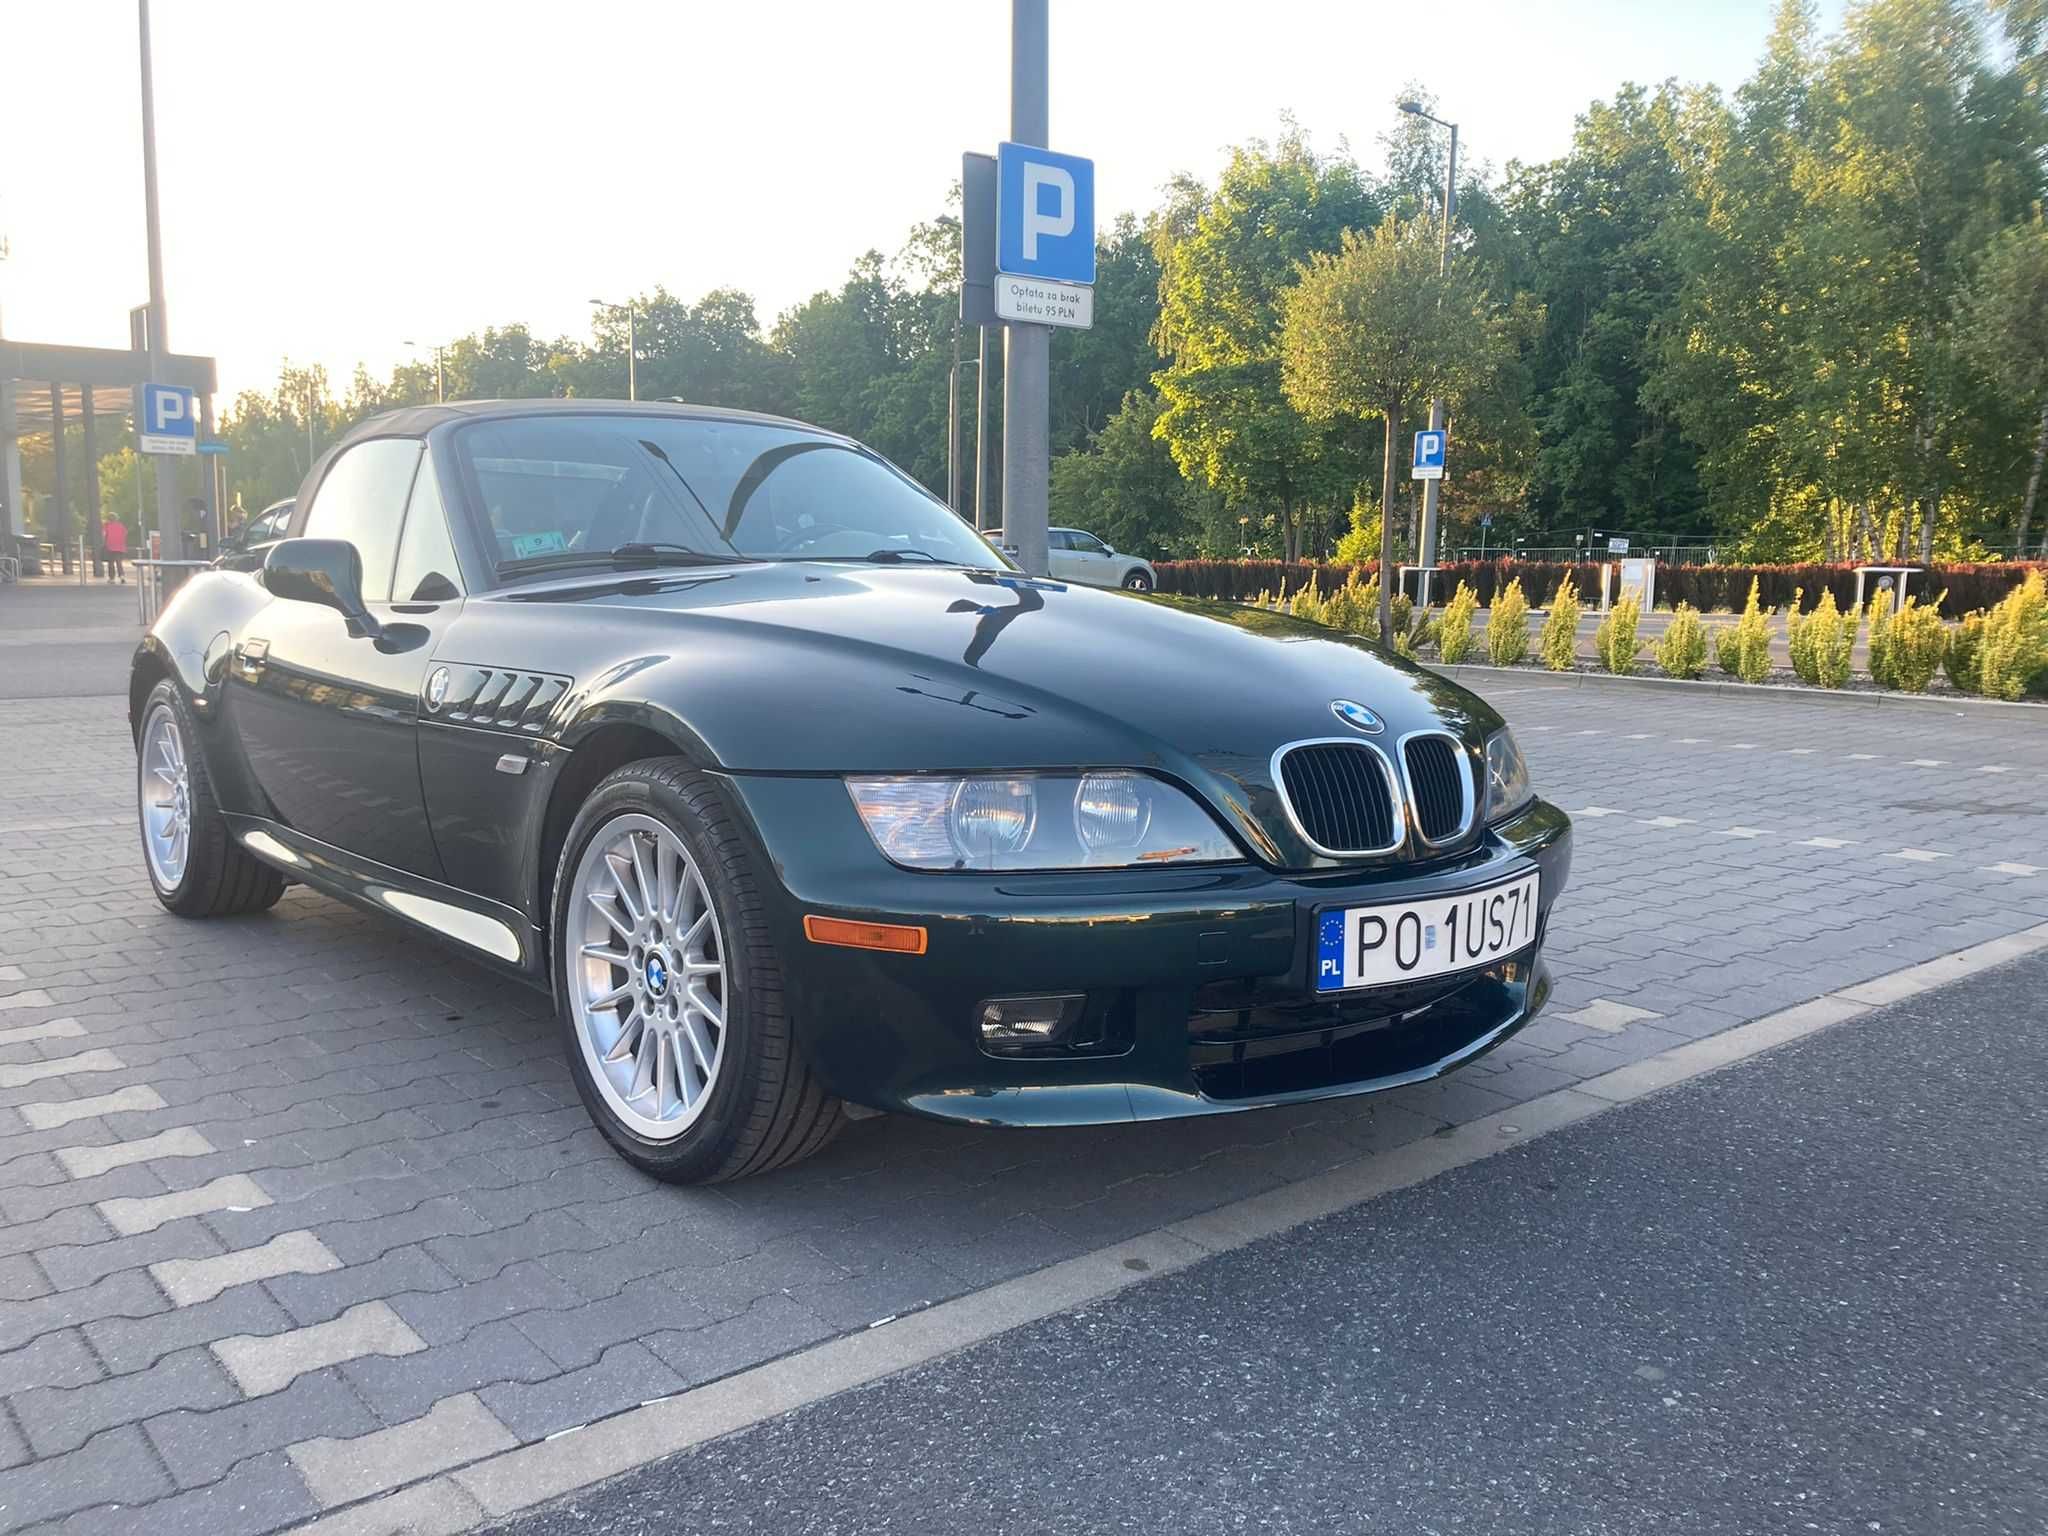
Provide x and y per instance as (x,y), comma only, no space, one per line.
(1025,1023)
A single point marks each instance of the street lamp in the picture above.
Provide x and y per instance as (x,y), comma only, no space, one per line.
(632,378)
(1426,555)
(953,435)
(440,388)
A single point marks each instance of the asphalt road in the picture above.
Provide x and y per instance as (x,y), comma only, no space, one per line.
(1803,1295)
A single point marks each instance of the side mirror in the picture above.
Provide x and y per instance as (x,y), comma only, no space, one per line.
(324,571)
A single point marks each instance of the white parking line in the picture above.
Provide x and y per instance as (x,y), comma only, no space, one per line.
(1926,762)
(91,1162)
(123,1101)
(1594,812)
(1668,821)
(35,997)
(1745,832)
(2010,868)
(1918,855)
(1828,842)
(49,1029)
(1994,768)
(1741,746)
(1863,757)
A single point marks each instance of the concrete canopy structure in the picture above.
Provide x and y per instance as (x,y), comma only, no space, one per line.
(43,384)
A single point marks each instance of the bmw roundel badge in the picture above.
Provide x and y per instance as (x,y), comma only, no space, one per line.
(1357,716)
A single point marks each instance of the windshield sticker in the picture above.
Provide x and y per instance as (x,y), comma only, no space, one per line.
(526,544)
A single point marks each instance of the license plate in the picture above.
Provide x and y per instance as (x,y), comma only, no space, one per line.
(1415,940)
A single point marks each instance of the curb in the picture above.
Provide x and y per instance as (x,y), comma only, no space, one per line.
(1945,704)
(513,1481)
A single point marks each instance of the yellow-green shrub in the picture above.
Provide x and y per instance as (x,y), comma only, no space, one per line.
(2012,655)
(1881,640)
(1615,642)
(1744,649)
(1454,632)
(1307,602)
(1799,640)
(1507,626)
(1683,650)
(1916,644)
(1559,642)
(1830,637)
(1963,655)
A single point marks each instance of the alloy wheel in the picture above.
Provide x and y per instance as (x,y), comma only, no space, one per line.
(648,979)
(164,795)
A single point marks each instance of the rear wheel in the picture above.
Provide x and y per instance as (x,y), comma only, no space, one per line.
(670,989)
(1137,581)
(195,867)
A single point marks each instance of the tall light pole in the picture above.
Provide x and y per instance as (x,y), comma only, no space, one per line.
(440,387)
(1425,554)
(632,346)
(953,430)
(170,519)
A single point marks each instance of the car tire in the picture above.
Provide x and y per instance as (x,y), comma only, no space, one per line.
(208,873)
(762,1107)
(1137,581)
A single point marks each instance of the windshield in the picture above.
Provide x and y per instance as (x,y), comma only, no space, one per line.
(566,490)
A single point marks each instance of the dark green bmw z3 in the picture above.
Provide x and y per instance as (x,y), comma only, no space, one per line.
(798,797)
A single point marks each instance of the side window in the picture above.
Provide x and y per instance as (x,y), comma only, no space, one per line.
(427,572)
(1058,538)
(362,500)
(1088,544)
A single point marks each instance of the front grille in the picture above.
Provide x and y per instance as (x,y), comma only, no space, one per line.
(1436,786)
(1340,796)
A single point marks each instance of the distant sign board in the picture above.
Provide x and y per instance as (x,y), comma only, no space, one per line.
(166,419)
(1429,455)
(1045,214)
(978,240)
(1617,546)
(213,447)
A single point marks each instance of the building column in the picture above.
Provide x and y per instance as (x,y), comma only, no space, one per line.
(60,510)
(92,478)
(13,522)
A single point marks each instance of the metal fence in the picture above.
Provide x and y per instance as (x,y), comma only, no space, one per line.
(156,580)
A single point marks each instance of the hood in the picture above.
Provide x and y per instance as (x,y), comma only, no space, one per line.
(838,668)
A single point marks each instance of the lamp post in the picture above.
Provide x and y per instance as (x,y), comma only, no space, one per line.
(1426,554)
(440,386)
(953,432)
(632,346)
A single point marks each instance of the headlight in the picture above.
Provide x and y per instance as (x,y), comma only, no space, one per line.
(1507,776)
(1109,819)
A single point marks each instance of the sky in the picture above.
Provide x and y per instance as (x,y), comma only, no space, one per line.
(338,179)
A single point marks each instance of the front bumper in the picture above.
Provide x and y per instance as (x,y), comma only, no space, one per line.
(1201,977)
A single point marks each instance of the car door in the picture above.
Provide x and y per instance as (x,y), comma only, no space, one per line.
(1093,564)
(1060,563)
(328,720)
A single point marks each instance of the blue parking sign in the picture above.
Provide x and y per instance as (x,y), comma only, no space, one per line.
(1429,455)
(1045,214)
(166,418)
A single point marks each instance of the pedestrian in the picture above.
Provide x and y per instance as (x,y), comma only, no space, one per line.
(114,538)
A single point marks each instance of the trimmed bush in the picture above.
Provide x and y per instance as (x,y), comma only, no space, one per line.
(1799,641)
(1615,642)
(1963,657)
(1507,627)
(1454,631)
(2013,656)
(1830,637)
(1559,642)
(1881,621)
(1744,650)
(1683,649)
(1916,644)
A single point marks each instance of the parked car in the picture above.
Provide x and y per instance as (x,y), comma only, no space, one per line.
(1074,555)
(244,548)
(797,795)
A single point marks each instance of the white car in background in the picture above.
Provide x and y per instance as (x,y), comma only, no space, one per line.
(1080,557)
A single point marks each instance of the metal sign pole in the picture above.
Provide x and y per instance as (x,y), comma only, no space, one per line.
(1027,349)
(169,519)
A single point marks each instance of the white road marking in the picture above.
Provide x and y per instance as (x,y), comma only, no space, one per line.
(1637,736)
(1608,1016)
(1918,855)
(1691,741)
(49,1029)
(27,1072)
(1828,842)
(1862,757)
(1741,746)
(91,1162)
(35,997)
(1994,768)
(2010,868)
(124,1101)
(230,1192)
(1596,811)
(1668,821)
(1926,762)
(1800,751)
(1746,832)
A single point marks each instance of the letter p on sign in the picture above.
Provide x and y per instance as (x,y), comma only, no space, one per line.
(1037,221)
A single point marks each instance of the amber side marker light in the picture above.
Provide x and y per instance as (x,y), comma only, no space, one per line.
(895,938)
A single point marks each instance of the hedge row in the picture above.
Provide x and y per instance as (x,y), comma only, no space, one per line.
(1706,587)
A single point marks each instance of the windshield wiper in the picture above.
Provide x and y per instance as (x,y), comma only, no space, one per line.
(634,554)
(898,556)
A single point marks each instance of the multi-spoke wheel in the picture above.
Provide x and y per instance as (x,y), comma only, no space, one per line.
(651,975)
(195,867)
(670,988)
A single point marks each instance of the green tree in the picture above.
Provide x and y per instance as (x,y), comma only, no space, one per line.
(1374,329)
(1126,488)
(1227,260)
(2004,333)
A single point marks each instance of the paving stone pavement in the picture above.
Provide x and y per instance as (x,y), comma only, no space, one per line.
(269,1186)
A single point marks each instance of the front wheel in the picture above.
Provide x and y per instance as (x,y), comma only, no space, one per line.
(195,867)
(671,994)
(1137,581)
